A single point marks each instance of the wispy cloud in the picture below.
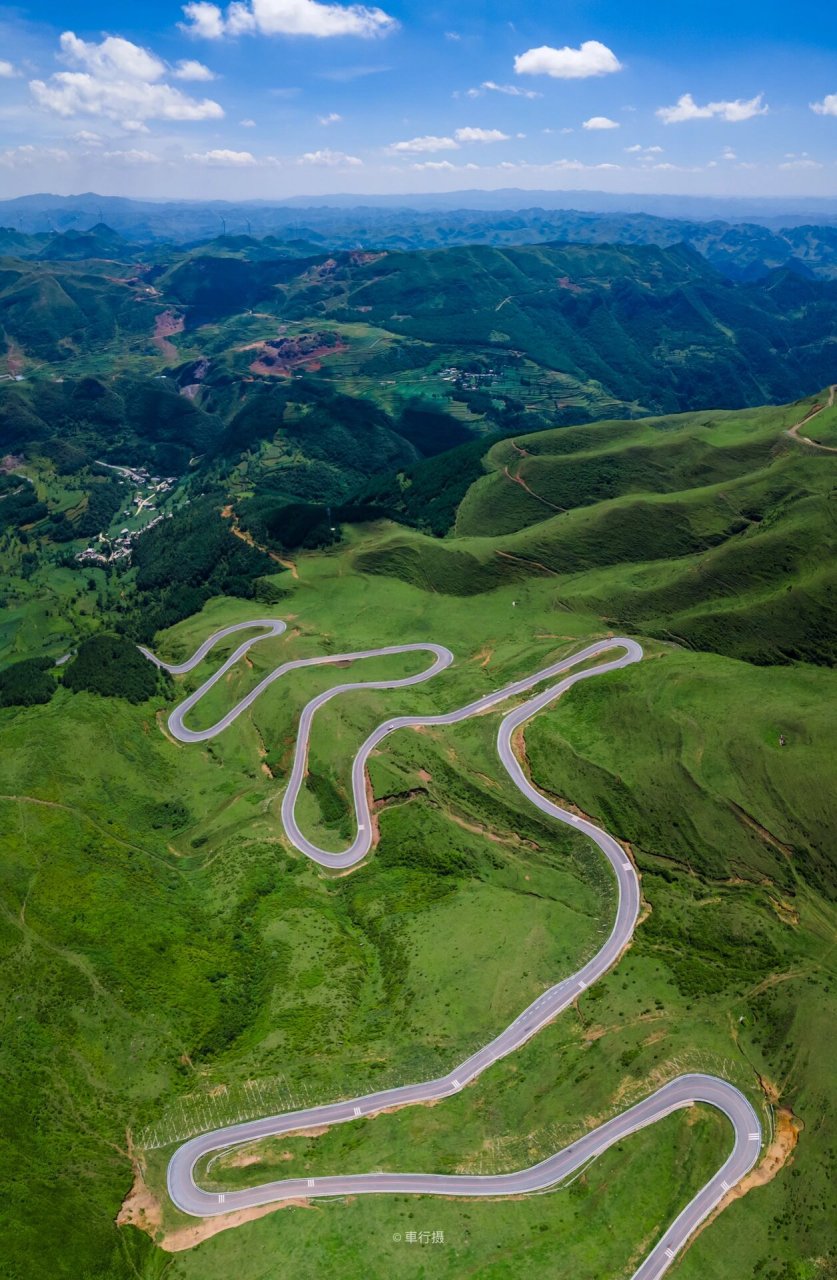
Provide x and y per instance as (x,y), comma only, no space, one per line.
(733,112)
(801,161)
(224,158)
(428,142)
(509,90)
(329,159)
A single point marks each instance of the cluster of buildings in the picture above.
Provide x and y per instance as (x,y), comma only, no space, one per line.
(467,380)
(106,549)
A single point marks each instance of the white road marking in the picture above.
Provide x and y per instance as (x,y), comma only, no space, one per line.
(712,1090)
(357,1111)
(221,1198)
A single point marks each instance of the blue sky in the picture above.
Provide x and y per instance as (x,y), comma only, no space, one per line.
(270,98)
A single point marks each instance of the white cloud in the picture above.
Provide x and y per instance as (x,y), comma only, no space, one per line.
(469,134)
(89,139)
(135,126)
(332,118)
(330,159)
(601,122)
(436,166)
(120,81)
(131,157)
(7,70)
(189,69)
(510,90)
(26,156)
(223,158)
(644,152)
(733,112)
(428,142)
(802,161)
(285,17)
(728,154)
(828,106)
(247,124)
(203,20)
(577,166)
(591,59)
(112,59)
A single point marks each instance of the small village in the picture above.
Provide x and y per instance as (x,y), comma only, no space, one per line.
(107,549)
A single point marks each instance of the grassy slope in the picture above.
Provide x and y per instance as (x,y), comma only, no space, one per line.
(241,963)
(712,529)
(284,976)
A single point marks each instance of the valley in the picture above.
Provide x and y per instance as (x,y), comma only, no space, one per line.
(181,952)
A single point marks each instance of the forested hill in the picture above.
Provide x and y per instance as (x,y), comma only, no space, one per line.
(315,369)
(743,242)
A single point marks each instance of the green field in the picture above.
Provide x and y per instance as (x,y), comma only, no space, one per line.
(171,964)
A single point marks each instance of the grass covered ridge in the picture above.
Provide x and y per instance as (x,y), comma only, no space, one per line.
(240,977)
(713,529)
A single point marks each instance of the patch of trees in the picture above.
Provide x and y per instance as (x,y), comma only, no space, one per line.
(27,683)
(19,503)
(428,494)
(291,526)
(104,498)
(132,420)
(431,430)
(184,561)
(113,667)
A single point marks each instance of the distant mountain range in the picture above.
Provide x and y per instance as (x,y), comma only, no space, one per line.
(74,229)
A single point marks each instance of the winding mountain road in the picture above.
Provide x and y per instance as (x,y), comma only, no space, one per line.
(681,1092)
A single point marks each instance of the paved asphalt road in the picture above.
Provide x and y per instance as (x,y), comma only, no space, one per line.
(682,1092)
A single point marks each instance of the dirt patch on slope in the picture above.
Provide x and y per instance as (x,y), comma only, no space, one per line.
(167,324)
(778,1154)
(142,1209)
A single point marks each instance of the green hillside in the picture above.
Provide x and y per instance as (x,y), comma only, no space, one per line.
(499,338)
(286,980)
(716,530)
(455,446)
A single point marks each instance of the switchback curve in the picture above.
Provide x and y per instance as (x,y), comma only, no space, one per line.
(681,1092)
